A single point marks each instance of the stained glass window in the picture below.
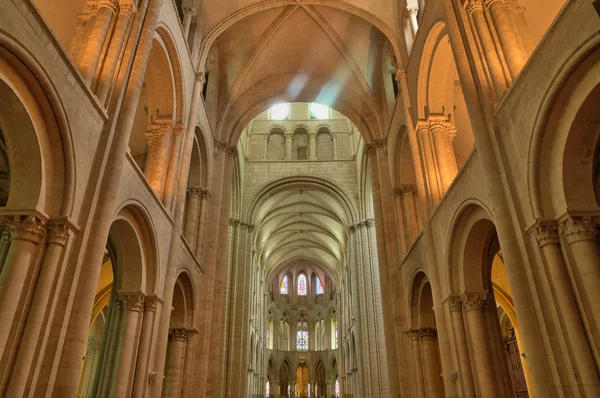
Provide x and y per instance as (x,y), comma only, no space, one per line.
(302,285)
(284,285)
(268,337)
(319,286)
(302,340)
(318,111)
(280,111)
(268,389)
(337,388)
(336,338)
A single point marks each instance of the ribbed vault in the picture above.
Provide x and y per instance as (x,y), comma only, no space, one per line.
(301,222)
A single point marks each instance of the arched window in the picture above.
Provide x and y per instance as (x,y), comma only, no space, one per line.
(268,390)
(280,111)
(276,145)
(302,340)
(283,289)
(337,388)
(319,286)
(302,285)
(318,111)
(325,149)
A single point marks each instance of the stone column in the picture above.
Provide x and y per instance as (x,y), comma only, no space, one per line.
(4,244)
(400,219)
(127,347)
(427,154)
(173,168)
(188,367)
(409,199)
(475,9)
(515,14)
(204,195)
(288,147)
(461,344)
(431,363)
(188,14)
(26,233)
(176,362)
(443,133)
(159,146)
(36,322)
(474,303)
(507,35)
(548,239)
(144,360)
(127,10)
(415,345)
(581,235)
(192,216)
(91,54)
(313,146)
(104,379)
(412,16)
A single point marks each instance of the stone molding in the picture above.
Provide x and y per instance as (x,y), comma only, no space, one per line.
(577,229)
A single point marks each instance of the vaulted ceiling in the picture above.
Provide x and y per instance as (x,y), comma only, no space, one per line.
(301,51)
(301,224)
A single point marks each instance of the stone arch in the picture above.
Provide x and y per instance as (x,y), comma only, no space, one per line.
(439,93)
(404,170)
(325,144)
(300,144)
(37,138)
(198,175)
(276,144)
(563,151)
(183,314)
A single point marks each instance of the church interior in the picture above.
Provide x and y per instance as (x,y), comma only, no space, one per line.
(299,198)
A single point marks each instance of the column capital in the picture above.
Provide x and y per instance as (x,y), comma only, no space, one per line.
(112,4)
(412,10)
(199,192)
(473,5)
(151,303)
(29,228)
(191,334)
(229,150)
(437,123)
(405,189)
(178,334)
(369,222)
(135,302)
(428,334)
(455,303)
(422,127)
(128,8)
(157,129)
(474,301)
(547,234)
(351,229)
(233,222)
(190,10)
(414,334)
(178,129)
(576,229)
(489,3)
(58,234)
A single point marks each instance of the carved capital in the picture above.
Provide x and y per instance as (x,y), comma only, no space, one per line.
(489,3)
(197,192)
(150,303)
(127,8)
(58,234)
(369,222)
(113,5)
(135,302)
(351,229)
(29,228)
(412,11)
(422,127)
(414,334)
(547,235)
(178,334)
(178,130)
(157,130)
(576,229)
(233,222)
(190,10)
(442,124)
(455,303)
(201,77)
(428,334)
(473,5)
(474,301)
(407,189)
(191,334)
